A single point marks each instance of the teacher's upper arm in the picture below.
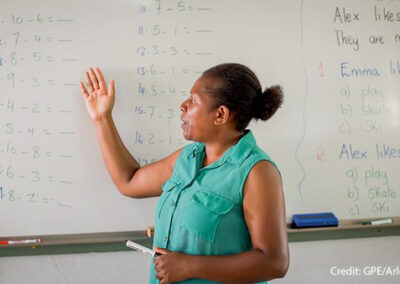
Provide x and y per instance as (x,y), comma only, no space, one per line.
(147,180)
(264,212)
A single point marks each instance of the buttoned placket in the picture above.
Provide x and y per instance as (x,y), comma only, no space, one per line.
(171,212)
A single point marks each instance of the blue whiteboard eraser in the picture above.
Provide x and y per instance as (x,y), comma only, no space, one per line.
(326,219)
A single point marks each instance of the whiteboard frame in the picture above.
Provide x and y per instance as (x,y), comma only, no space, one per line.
(111,242)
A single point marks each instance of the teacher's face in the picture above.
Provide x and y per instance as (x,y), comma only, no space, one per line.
(198,115)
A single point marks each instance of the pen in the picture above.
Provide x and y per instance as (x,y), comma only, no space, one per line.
(141,248)
(21,242)
(379,222)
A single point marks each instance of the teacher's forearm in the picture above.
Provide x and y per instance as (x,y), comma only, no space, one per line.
(119,162)
(247,267)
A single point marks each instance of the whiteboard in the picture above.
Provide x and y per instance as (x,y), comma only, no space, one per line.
(336,138)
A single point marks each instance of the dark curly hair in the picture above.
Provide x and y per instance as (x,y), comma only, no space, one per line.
(238,88)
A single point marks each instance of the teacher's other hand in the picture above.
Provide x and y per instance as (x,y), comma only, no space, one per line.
(171,266)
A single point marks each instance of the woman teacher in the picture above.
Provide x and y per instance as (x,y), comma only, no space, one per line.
(221,212)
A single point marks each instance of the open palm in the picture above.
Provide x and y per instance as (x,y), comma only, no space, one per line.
(99,101)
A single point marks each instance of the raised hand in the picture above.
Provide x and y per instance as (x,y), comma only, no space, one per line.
(99,101)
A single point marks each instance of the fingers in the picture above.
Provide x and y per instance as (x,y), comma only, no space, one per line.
(161,250)
(94,79)
(111,88)
(100,78)
(161,277)
(89,82)
(158,276)
(84,91)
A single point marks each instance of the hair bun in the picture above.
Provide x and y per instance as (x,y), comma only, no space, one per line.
(268,102)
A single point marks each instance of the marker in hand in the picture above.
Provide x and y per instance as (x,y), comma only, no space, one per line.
(141,248)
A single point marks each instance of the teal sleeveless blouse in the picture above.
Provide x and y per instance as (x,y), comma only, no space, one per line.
(200,211)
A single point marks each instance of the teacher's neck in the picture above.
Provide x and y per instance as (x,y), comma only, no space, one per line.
(220,143)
